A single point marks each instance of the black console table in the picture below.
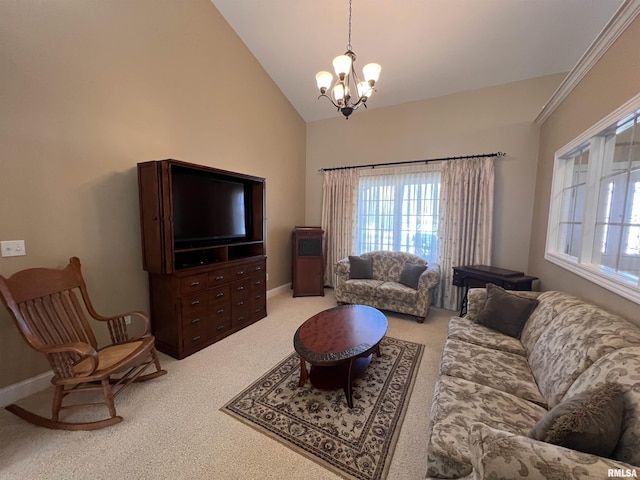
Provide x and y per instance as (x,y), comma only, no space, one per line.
(477,276)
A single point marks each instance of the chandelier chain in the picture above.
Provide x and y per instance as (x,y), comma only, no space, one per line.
(349,44)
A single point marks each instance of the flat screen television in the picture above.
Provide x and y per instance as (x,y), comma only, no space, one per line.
(208,209)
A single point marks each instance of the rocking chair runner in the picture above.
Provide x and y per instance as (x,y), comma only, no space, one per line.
(52,319)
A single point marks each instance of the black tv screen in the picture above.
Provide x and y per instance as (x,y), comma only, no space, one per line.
(208,209)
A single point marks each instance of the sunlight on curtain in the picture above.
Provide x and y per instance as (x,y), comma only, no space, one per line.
(398,210)
(466,222)
(339,196)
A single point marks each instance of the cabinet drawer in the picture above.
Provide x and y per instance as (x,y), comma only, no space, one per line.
(240,289)
(239,272)
(240,315)
(219,293)
(221,325)
(193,303)
(195,318)
(258,308)
(196,334)
(258,267)
(218,277)
(258,283)
(193,284)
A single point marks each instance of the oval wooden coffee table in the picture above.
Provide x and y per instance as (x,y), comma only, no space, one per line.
(339,344)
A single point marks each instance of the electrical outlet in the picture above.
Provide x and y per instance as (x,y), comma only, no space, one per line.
(127,319)
(267,277)
(12,248)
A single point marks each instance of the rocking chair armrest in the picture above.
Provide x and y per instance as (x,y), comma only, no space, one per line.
(81,348)
(118,322)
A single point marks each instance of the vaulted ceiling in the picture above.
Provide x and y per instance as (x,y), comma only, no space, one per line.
(427,48)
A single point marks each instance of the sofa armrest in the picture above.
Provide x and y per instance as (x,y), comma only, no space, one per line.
(342,269)
(499,454)
(476,298)
(430,277)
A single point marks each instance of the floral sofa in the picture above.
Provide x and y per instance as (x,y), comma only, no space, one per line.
(396,281)
(495,390)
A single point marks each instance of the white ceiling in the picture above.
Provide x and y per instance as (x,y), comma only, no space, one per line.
(427,48)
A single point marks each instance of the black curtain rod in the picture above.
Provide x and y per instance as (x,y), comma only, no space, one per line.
(406,162)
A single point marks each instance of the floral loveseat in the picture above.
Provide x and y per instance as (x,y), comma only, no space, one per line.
(495,392)
(395,281)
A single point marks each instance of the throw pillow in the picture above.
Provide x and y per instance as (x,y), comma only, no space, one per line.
(360,267)
(410,275)
(505,312)
(590,421)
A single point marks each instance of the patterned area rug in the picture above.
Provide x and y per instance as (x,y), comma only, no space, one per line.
(356,443)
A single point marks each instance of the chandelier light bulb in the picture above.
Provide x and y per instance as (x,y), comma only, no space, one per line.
(371,72)
(364,90)
(324,80)
(342,65)
(339,93)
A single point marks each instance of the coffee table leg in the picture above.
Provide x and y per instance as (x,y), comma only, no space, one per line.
(348,389)
(304,374)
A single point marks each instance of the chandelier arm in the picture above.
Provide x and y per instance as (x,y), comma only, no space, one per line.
(330,99)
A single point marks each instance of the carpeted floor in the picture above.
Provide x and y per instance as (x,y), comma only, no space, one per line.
(173,427)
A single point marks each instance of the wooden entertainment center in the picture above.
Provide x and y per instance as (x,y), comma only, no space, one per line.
(200,290)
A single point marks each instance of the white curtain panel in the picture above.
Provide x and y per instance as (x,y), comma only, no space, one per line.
(339,198)
(398,209)
(466,222)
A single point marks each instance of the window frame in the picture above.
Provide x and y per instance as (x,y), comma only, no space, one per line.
(582,264)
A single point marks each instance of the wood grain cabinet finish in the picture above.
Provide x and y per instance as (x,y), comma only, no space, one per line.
(308,261)
(196,303)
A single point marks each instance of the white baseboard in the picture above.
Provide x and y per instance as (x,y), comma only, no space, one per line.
(13,393)
(279,290)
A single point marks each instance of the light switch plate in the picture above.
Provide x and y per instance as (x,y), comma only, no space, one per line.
(12,248)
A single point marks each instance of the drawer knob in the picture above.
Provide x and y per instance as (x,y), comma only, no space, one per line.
(220,327)
(194,284)
(240,272)
(240,303)
(258,269)
(240,288)
(195,320)
(196,338)
(219,294)
(220,311)
(241,318)
(220,277)
(195,302)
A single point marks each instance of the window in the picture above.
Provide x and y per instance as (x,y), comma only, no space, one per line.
(399,211)
(594,218)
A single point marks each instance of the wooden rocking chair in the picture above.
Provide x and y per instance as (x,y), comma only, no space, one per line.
(51,317)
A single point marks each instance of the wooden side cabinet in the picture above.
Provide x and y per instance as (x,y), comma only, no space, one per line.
(308,262)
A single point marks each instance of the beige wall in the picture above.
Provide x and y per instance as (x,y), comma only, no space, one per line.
(480,121)
(608,85)
(89,88)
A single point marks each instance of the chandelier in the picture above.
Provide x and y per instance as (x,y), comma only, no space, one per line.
(342,92)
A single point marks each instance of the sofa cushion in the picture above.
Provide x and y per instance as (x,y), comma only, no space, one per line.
(589,422)
(550,305)
(505,312)
(503,371)
(578,337)
(362,287)
(459,403)
(622,367)
(360,267)
(472,332)
(410,275)
(497,454)
(396,292)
